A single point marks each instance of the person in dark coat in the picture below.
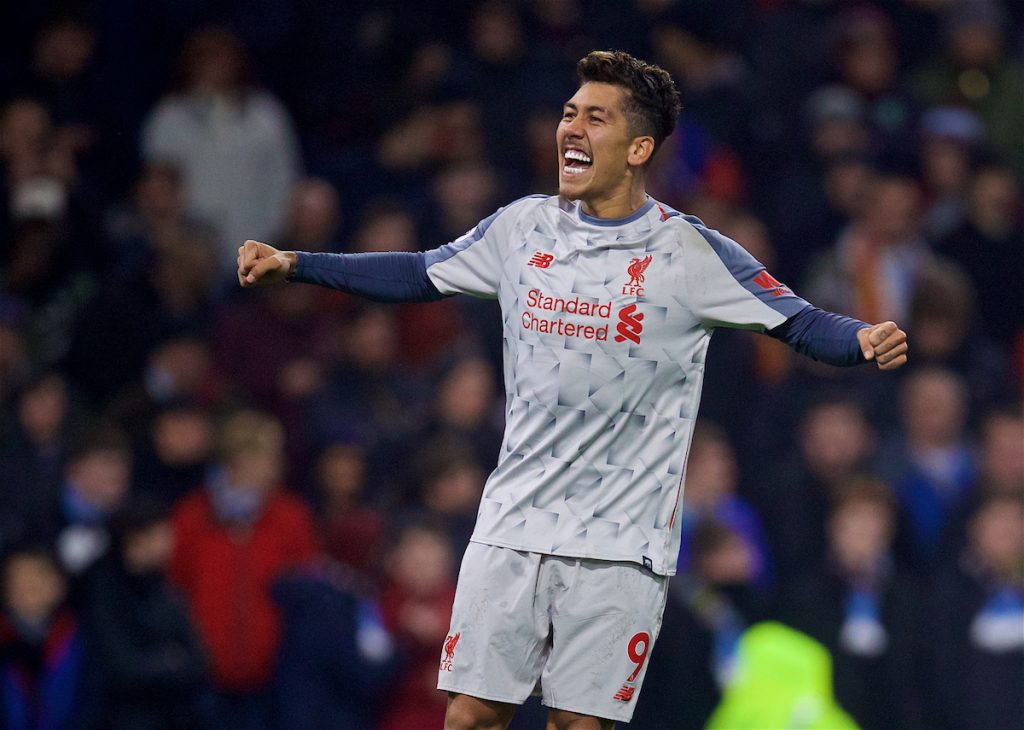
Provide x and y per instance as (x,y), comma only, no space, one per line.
(155,668)
(857,604)
(976,651)
(336,659)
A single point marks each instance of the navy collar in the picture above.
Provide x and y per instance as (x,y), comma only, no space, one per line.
(609,222)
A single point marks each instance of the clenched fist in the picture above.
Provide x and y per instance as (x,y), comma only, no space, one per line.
(884,343)
(259,263)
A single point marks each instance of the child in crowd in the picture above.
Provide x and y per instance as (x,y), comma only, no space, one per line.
(45,676)
(417,609)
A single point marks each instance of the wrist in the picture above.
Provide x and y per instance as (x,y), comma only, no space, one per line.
(291,259)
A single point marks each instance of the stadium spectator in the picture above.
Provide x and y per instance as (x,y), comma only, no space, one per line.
(463,194)
(1000,473)
(715,81)
(179,368)
(165,299)
(368,394)
(855,601)
(494,68)
(949,335)
(36,445)
(451,481)
(873,266)
(302,322)
(865,57)
(50,237)
(62,76)
(314,216)
(155,669)
(816,192)
(708,608)
(975,71)
(932,465)
(711,493)
(48,671)
(835,442)
(233,142)
(465,408)
(155,214)
(176,450)
(352,529)
(950,140)
(989,245)
(977,607)
(16,362)
(1001,460)
(97,478)
(417,605)
(337,659)
(233,538)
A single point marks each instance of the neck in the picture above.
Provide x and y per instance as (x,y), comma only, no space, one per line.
(620,202)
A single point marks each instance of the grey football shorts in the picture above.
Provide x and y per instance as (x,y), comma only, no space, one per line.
(579,630)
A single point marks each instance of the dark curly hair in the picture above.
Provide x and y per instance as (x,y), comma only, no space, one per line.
(653,104)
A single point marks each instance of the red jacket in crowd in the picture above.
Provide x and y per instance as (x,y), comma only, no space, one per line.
(226,571)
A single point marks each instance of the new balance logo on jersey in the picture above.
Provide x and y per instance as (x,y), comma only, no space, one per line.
(636,270)
(770,284)
(449,651)
(541,260)
(630,325)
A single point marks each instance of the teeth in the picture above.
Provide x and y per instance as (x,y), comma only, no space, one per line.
(576,155)
(573,169)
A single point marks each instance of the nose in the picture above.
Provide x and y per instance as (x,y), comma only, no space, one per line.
(573,128)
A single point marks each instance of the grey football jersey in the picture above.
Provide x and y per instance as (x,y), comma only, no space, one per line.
(606,327)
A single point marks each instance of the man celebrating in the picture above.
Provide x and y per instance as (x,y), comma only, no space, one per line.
(608,300)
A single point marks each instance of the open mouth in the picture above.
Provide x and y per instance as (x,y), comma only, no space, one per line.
(576,162)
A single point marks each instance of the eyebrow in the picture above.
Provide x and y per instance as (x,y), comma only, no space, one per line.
(570,105)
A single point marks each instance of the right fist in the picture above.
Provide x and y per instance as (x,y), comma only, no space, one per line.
(259,263)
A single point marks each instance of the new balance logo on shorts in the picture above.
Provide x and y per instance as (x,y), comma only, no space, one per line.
(625,694)
(541,260)
(449,651)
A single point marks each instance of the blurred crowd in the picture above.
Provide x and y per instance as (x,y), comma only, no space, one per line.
(246,509)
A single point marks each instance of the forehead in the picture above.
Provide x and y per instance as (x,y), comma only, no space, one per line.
(599,94)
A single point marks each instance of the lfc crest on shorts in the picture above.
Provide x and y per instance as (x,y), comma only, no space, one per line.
(449,651)
(636,270)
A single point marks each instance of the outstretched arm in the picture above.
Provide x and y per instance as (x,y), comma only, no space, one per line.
(839,340)
(382,277)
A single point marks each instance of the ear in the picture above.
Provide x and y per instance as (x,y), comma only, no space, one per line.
(640,150)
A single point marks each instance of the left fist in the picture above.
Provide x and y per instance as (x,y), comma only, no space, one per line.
(884,343)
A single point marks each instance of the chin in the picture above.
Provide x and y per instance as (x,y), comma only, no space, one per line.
(571,189)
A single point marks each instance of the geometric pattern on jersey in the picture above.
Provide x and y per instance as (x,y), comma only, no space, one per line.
(606,324)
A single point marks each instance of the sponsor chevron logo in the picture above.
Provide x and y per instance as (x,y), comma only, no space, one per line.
(630,325)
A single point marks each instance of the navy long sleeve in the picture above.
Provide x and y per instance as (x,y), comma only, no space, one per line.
(402,277)
(382,277)
(822,336)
